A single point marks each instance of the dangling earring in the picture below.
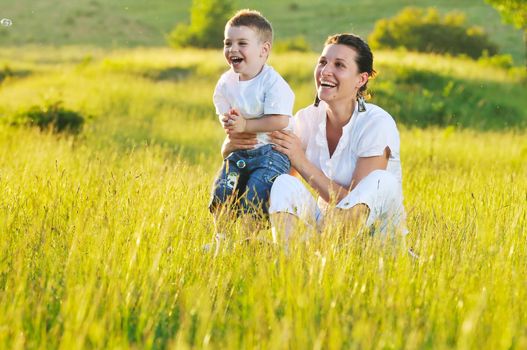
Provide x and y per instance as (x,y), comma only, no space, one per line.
(317,101)
(362,104)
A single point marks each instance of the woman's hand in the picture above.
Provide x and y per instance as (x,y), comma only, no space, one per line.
(290,145)
(238,141)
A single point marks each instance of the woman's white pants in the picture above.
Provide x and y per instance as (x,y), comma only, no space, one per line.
(380,191)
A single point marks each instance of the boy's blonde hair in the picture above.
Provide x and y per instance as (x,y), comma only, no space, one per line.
(254,20)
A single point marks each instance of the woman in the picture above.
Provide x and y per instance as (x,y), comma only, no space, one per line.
(345,149)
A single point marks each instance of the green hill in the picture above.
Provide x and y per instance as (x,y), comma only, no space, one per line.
(128,23)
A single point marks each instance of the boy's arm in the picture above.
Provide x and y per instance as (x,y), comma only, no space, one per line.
(221,103)
(267,123)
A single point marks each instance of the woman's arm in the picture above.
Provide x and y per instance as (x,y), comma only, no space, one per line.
(365,165)
(289,144)
(238,141)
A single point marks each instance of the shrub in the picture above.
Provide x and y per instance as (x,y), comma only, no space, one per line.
(293,6)
(501,61)
(425,31)
(5,73)
(207,20)
(297,43)
(423,98)
(52,116)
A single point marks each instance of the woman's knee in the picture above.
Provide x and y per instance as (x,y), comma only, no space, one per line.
(285,183)
(383,178)
(375,190)
(287,193)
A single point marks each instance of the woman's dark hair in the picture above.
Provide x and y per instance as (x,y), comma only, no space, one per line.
(364,58)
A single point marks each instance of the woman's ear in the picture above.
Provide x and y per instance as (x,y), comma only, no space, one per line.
(363,79)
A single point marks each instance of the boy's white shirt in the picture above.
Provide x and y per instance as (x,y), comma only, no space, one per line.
(267,93)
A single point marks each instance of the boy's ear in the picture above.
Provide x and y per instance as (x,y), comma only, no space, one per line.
(265,49)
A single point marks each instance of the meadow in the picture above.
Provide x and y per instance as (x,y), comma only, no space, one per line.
(102,232)
(130,23)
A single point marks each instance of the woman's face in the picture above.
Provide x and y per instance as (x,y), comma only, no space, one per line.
(337,75)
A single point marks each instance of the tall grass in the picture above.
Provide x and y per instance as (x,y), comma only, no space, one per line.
(102,234)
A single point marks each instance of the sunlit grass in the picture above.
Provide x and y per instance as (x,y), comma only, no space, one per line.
(103,234)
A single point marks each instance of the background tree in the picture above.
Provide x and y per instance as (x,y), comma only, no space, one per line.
(207,21)
(515,13)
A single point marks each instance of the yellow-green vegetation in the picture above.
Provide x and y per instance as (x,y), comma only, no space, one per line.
(102,233)
(130,23)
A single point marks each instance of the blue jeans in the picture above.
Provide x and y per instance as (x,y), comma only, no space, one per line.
(246,177)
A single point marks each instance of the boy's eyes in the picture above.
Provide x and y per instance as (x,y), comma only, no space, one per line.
(241,43)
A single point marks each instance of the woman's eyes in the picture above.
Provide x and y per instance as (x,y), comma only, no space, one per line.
(337,64)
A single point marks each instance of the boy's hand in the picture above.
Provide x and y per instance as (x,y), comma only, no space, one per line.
(234,122)
(225,121)
(237,123)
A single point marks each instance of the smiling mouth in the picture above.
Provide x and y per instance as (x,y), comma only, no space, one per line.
(236,60)
(327,84)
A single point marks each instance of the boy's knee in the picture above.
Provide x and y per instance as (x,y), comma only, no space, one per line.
(254,202)
(221,194)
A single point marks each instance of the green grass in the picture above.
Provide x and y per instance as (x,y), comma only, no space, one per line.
(421,90)
(102,234)
(133,22)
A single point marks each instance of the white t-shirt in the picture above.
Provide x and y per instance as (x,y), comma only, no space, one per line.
(366,135)
(267,93)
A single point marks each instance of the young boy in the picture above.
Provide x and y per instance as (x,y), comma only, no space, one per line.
(250,97)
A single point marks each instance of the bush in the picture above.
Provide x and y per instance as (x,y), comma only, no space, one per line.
(52,116)
(500,61)
(5,73)
(423,98)
(425,31)
(207,20)
(298,44)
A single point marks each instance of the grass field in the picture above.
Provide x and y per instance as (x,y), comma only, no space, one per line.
(102,233)
(125,23)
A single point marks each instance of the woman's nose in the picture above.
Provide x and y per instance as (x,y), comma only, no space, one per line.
(325,71)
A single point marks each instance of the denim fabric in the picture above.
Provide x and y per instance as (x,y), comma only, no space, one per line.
(246,177)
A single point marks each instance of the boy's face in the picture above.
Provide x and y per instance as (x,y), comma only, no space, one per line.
(244,51)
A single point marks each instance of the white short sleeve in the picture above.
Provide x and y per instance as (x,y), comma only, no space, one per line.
(378,133)
(279,98)
(221,103)
(305,123)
